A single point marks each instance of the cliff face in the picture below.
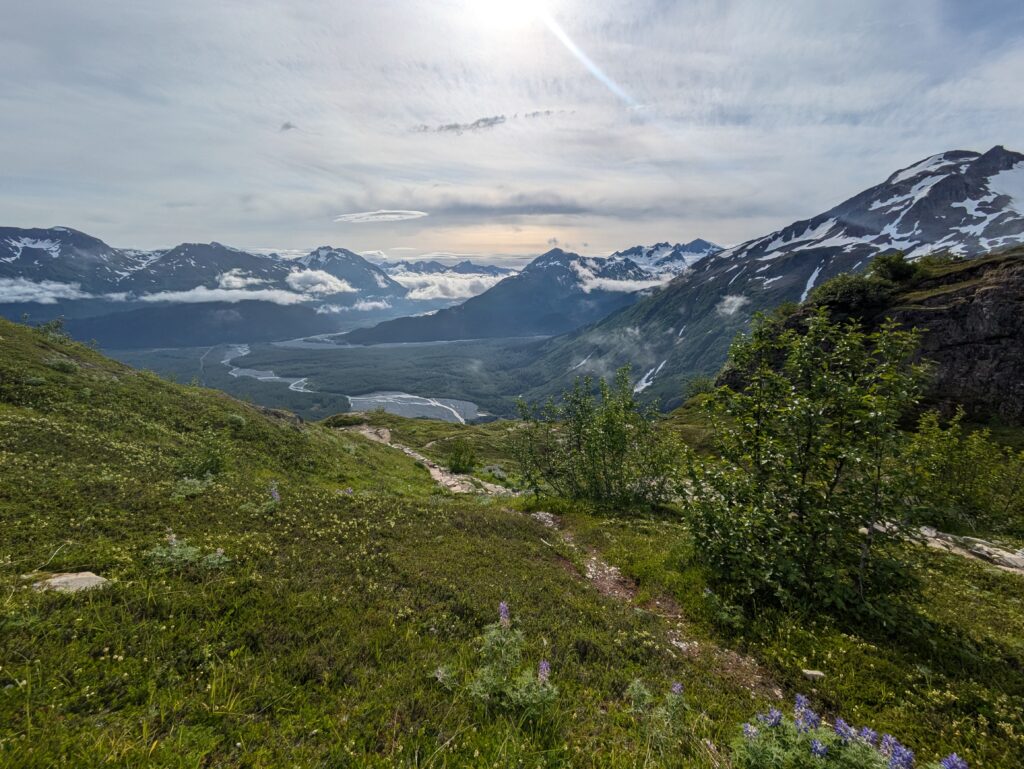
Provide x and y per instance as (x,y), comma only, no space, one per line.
(972,318)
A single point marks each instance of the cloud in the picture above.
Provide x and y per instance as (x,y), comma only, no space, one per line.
(237,279)
(451,286)
(730,304)
(287,126)
(201,294)
(460,128)
(17,290)
(370,217)
(755,115)
(318,282)
(363,305)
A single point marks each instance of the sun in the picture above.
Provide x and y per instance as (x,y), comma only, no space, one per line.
(505,14)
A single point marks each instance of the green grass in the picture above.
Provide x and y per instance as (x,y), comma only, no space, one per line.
(316,642)
(945,674)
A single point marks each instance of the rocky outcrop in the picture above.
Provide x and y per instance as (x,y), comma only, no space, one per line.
(971,318)
(972,322)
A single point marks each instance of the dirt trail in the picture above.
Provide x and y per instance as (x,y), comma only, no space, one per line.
(454,482)
(608,580)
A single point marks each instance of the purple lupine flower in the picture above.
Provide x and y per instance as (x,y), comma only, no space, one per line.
(772,718)
(677,689)
(749,731)
(543,671)
(902,757)
(802,703)
(868,735)
(818,748)
(953,761)
(504,617)
(807,719)
(274,493)
(844,730)
(885,747)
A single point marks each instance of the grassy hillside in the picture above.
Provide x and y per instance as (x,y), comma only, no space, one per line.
(314,643)
(314,638)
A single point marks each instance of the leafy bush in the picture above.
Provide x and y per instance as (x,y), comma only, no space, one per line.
(777,741)
(461,457)
(807,503)
(63,365)
(603,449)
(501,681)
(699,385)
(965,479)
(893,267)
(853,294)
(939,259)
(206,455)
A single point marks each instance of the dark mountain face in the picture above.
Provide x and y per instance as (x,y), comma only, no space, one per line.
(963,202)
(210,265)
(557,292)
(63,255)
(194,292)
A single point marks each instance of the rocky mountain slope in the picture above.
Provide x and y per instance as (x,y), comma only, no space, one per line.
(557,292)
(194,293)
(962,202)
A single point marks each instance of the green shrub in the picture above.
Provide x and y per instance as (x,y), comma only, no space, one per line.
(63,365)
(893,267)
(236,423)
(854,294)
(807,503)
(699,385)
(605,449)
(461,457)
(965,479)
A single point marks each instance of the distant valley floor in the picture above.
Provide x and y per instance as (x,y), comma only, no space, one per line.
(456,381)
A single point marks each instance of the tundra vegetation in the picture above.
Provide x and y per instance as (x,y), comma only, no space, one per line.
(286,593)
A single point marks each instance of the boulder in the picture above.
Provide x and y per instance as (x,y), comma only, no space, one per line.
(72,582)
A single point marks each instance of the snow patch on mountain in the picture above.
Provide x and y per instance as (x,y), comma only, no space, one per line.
(1011,184)
(648,379)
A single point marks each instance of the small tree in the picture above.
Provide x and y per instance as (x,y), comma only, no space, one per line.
(964,479)
(461,457)
(604,448)
(808,498)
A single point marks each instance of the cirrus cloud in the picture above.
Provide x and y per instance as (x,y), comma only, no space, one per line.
(384,215)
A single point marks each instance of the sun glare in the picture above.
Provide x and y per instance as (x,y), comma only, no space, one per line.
(505,14)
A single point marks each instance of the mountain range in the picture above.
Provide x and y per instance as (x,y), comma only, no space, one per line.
(194,293)
(555,293)
(667,309)
(963,203)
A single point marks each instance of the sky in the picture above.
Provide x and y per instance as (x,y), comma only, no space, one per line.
(490,128)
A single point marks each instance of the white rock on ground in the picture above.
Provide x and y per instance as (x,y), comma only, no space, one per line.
(813,675)
(72,582)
